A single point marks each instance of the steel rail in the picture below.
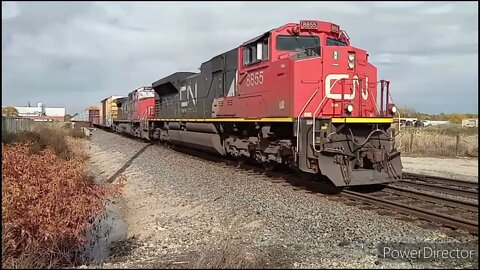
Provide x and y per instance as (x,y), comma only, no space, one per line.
(468,193)
(442,180)
(460,223)
(436,198)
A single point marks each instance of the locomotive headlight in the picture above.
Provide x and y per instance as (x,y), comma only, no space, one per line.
(351,60)
(351,56)
(349,108)
(394,109)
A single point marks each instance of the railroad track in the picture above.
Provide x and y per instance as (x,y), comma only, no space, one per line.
(406,198)
(449,202)
(454,187)
(412,196)
(452,213)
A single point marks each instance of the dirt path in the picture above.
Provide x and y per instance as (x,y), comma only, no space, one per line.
(462,168)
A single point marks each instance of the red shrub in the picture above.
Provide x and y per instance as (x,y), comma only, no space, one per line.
(47,202)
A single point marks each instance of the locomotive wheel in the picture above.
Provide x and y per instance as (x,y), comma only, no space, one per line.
(241,160)
(269,166)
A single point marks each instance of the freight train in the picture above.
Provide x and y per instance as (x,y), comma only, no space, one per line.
(299,95)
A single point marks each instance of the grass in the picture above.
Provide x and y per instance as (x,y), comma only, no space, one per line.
(438,141)
(45,135)
(228,251)
(48,201)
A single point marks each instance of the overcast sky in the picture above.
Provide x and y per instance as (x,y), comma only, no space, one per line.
(75,54)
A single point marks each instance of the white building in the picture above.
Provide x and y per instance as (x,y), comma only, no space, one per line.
(429,123)
(42,113)
(471,122)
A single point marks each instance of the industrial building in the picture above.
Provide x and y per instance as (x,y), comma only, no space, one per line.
(42,113)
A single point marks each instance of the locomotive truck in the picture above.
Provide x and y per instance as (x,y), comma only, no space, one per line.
(299,95)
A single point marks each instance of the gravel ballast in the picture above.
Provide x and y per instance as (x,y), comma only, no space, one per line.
(179,208)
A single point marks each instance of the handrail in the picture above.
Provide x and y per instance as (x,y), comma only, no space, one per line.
(300,114)
(384,84)
(399,125)
(151,111)
(374,103)
(314,121)
(147,113)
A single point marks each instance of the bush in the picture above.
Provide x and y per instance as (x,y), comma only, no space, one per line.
(48,202)
(46,135)
(77,132)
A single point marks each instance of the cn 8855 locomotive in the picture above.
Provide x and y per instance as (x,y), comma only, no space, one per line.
(298,95)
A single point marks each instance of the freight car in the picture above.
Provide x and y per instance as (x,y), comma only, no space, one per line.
(89,117)
(94,116)
(107,111)
(299,95)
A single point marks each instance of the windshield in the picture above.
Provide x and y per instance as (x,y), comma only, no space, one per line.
(292,43)
(335,42)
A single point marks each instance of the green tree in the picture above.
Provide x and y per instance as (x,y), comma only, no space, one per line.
(9,111)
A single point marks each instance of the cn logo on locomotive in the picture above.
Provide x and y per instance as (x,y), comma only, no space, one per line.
(355,83)
(191,94)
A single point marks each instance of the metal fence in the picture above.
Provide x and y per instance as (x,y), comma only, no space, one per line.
(16,124)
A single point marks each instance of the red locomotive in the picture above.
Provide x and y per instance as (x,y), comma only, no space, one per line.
(298,95)
(137,107)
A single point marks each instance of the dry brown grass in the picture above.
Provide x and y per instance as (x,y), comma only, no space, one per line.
(77,146)
(228,251)
(48,201)
(438,142)
(47,134)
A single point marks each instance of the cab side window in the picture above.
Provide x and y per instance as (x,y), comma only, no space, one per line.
(255,52)
(249,54)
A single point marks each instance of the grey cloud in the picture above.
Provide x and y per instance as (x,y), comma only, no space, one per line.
(74,54)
